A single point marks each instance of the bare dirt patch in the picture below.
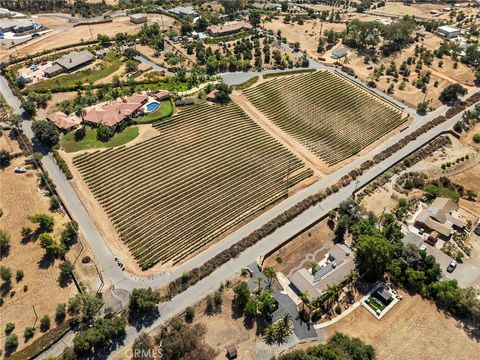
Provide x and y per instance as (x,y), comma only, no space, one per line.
(470,179)
(414,326)
(223,329)
(20,198)
(293,253)
(381,200)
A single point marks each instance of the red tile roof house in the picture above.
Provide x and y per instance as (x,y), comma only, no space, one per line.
(113,114)
(63,121)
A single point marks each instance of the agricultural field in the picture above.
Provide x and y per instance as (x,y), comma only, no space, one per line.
(38,292)
(210,168)
(329,115)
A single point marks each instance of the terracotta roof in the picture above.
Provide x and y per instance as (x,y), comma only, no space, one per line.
(115,112)
(162,94)
(64,121)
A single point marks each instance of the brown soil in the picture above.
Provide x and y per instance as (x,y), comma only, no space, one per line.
(414,326)
(20,198)
(378,201)
(470,179)
(223,329)
(293,253)
(411,96)
(71,36)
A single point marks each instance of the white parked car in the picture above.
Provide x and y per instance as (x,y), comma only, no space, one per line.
(19,170)
(452,266)
(423,247)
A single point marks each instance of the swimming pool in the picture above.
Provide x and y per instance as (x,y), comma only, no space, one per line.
(151,107)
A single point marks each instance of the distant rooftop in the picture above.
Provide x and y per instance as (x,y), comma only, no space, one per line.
(74,59)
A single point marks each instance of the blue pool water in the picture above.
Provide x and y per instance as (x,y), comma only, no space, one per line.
(151,107)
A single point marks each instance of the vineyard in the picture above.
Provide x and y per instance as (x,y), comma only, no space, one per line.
(331,116)
(210,168)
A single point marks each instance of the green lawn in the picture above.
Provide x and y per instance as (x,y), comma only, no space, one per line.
(109,66)
(90,141)
(165,110)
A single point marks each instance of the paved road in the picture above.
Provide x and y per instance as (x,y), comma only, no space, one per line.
(152,64)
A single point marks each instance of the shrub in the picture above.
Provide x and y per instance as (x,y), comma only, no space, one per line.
(5,158)
(143,301)
(46,133)
(45,323)
(104,133)
(80,133)
(19,276)
(11,342)
(62,164)
(4,241)
(45,222)
(9,328)
(28,332)
(5,274)
(476,138)
(189,314)
(60,312)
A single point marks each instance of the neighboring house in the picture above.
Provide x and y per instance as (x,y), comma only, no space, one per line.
(183,11)
(16,25)
(138,18)
(228,28)
(448,31)
(339,53)
(162,95)
(440,218)
(63,121)
(69,62)
(115,113)
(335,270)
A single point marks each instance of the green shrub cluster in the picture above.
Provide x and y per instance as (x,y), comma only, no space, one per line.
(62,164)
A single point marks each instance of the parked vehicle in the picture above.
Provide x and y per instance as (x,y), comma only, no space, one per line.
(20,170)
(452,266)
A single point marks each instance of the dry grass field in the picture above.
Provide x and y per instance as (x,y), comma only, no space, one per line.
(19,198)
(411,95)
(470,179)
(60,37)
(413,328)
(289,256)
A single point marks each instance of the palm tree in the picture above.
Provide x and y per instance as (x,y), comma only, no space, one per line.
(269,333)
(333,294)
(16,120)
(270,274)
(259,283)
(305,299)
(354,276)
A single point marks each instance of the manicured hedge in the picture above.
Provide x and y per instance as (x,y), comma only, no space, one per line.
(62,164)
